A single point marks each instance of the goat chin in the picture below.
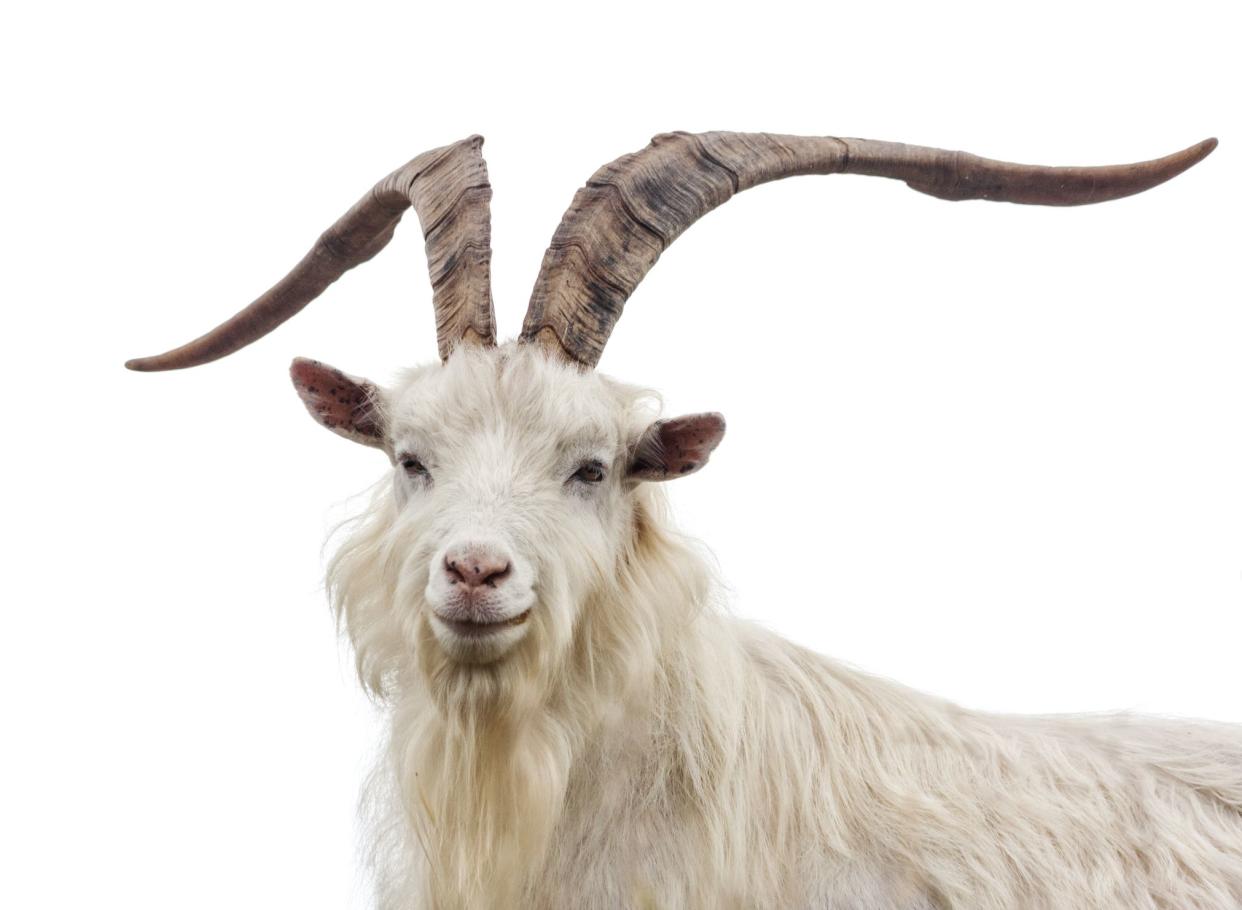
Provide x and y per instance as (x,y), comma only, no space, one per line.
(662,754)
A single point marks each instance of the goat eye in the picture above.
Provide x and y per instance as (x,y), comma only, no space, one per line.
(414,467)
(589,472)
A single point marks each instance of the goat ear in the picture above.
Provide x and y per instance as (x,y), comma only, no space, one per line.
(676,447)
(346,405)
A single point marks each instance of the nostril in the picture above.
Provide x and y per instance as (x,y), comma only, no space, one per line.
(498,575)
(455,576)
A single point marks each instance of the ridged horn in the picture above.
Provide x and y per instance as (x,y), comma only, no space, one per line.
(449,190)
(632,209)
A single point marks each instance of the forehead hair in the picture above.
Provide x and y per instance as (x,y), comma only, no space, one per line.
(517,386)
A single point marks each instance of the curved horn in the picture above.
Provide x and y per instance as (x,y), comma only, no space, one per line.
(632,209)
(448,189)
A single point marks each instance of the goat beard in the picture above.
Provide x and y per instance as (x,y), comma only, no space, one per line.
(481,760)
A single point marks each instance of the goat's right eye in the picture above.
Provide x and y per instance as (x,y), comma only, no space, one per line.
(414,468)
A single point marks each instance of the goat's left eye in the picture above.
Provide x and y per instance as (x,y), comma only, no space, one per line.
(589,472)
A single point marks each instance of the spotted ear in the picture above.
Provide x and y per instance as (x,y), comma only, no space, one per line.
(676,447)
(346,405)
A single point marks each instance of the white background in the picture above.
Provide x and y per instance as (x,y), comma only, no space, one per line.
(992,451)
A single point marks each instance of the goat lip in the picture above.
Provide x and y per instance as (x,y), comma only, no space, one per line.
(474,629)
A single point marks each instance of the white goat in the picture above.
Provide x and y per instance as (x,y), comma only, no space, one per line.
(574,722)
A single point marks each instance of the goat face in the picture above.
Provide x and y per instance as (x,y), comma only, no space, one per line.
(512,505)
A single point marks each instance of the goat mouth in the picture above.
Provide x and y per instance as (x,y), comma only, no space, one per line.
(474,629)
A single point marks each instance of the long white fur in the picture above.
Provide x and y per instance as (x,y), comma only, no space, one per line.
(637,747)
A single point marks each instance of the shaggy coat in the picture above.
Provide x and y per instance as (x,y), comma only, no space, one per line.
(637,747)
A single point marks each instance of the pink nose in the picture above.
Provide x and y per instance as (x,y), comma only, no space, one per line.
(475,567)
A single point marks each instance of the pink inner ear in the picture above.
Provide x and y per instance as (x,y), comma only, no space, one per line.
(344,404)
(677,447)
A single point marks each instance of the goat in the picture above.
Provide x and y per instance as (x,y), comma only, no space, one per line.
(573,720)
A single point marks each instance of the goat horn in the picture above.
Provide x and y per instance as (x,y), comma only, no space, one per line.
(448,188)
(632,209)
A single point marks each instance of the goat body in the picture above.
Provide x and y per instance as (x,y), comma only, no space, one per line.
(761,775)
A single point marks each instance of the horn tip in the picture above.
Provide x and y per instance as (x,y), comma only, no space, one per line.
(177,359)
(1205,148)
(1188,157)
